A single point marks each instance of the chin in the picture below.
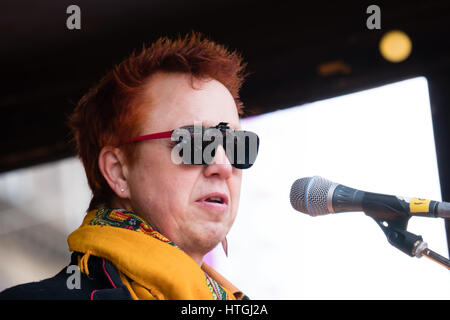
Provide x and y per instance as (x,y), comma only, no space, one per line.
(207,241)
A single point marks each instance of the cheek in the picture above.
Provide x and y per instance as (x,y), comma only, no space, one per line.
(235,191)
(170,188)
(178,187)
(141,189)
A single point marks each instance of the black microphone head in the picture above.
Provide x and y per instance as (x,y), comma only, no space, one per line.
(310,195)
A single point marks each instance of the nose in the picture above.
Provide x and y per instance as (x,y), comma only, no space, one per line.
(220,165)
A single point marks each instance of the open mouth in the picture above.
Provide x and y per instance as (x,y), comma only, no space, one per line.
(215,198)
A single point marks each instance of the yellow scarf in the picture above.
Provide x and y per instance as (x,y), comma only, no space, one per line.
(150,267)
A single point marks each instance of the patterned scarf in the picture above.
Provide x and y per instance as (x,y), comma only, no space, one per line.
(121,219)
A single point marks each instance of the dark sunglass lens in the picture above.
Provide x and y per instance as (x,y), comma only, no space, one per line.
(192,149)
(199,148)
(242,148)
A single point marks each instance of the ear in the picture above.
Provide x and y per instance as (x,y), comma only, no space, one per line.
(111,162)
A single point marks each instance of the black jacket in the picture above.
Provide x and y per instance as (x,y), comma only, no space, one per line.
(103,283)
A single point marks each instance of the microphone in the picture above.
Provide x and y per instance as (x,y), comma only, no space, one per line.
(318,196)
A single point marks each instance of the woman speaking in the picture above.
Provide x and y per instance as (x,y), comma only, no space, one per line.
(160,201)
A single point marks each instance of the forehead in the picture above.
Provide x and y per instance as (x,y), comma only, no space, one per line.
(175,100)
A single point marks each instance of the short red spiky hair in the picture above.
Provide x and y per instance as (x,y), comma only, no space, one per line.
(109,113)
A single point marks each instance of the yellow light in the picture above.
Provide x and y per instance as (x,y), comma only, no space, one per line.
(395,46)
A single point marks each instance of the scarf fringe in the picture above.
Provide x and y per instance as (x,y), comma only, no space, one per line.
(83,262)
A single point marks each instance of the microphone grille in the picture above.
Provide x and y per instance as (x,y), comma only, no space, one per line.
(310,195)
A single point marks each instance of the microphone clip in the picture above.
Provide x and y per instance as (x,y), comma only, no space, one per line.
(399,237)
(407,242)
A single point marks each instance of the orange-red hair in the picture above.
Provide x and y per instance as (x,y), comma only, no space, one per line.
(109,112)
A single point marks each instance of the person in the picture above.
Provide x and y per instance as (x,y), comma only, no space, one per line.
(152,219)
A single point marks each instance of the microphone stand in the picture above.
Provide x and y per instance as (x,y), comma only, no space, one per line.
(436,258)
(407,242)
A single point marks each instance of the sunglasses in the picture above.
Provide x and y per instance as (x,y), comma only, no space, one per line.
(197,145)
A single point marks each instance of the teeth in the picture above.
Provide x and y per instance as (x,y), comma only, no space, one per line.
(214,199)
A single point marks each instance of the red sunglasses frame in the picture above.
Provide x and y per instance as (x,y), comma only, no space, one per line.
(166,134)
(152,136)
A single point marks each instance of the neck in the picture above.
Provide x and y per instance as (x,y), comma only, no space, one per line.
(197,257)
(125,204)
(121,203)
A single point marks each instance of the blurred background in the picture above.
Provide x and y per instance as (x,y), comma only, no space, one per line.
(307,62)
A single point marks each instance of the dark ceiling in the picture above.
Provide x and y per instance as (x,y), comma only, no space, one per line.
(46,67)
